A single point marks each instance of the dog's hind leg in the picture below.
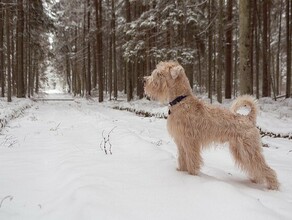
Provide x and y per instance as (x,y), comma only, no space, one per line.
(249,157)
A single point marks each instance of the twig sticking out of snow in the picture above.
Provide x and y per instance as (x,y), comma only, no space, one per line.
(106,141)
(56,128)
(9,141)
(6,197)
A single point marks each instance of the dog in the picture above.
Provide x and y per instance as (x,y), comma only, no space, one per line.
(195,125)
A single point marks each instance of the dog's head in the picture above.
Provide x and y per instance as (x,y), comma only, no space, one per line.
(166,79)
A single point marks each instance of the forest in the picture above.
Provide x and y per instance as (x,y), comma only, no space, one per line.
(101,47)
(80,140)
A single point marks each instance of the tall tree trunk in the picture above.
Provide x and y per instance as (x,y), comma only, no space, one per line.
(94,69)
(88,51)
(269,58)
(228,52)
(13,56)
(244,47)
(20,64)
(288,39)
(220,53)
(110,52)
(84,85)
(113,27)
(99,50)
(257,49)
(8,54)
(32,73)
(210,51)
(265,87)
(252,17)
(68,75)
(2,77)
(279,51)
(37,78)
(29,72)
(110,69)
(235,73)
(129,77)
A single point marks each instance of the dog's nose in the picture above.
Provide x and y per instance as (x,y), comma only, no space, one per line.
(144,80)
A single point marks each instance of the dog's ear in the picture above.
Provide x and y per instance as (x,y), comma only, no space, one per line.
(155,73)
(176,71)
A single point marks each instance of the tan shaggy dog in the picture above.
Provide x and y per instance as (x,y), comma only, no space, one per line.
(195,125)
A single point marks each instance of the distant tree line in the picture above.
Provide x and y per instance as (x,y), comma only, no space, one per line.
(105,46)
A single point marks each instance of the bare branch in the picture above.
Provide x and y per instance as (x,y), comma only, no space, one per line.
(105,144)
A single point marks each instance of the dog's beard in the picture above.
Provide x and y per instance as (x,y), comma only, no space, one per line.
(156,90)
(150,96)
(156,97)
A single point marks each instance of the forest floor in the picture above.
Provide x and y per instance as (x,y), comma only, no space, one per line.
(81,159)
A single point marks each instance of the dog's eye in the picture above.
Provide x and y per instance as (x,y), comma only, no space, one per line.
(159,74)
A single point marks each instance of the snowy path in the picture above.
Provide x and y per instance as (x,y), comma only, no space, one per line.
(52,167)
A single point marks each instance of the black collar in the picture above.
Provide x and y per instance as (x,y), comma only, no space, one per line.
(176,100)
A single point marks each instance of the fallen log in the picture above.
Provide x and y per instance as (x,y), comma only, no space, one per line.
(159,115)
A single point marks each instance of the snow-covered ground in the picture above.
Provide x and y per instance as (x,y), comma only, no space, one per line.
(53,165)
(10,110)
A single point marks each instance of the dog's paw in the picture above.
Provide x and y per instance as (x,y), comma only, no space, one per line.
(181,169)
(193,172)
(273,187)
(256,180)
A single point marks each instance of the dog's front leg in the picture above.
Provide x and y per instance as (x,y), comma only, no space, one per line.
(182,165)
(193,157)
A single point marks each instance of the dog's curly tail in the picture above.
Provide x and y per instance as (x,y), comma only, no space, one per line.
(246,101)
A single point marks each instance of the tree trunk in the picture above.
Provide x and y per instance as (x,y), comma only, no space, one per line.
(13,59)
(278,51)
(228,52)
(29,72)
(129,77)
(84,84)
(88,51)
(20,64)
(32,73)
(99,50)
(257,49)
(265,87)
(235,73)
(288,39)
(244,47)
(8,54)
(210,51)
(37,78)
(110,69)
(68,75)
(220,53)
(94,68)
(252,17)
(2,77)
(113,27)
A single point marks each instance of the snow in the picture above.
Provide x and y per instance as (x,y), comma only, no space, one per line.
(53,166)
